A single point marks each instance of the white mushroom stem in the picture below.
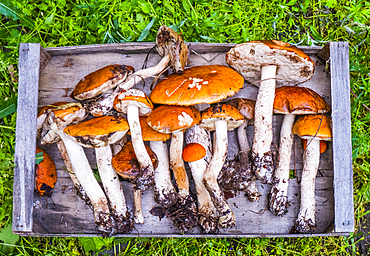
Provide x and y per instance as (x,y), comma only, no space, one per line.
(278,199)
(80,190)
(83,171)
(263,124)
(226,215)
(138,208)
(177,164)
(207,213)
(112,185)
(104,105)
(306,222)
(165,193)
(145,179)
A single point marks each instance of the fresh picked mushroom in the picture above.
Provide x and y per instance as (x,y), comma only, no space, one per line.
(127,166)
(313,128)
(100,133)
(267,63)
(198,153)
(220,118)
(236,174)
(56,121)
(290,101)
(46,174)
(175,52)
(134,102)
(176,119)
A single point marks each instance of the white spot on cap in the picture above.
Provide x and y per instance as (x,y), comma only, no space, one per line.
(213,71)
(196,83)
(185,119)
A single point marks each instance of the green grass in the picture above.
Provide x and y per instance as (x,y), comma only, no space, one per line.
(65,22)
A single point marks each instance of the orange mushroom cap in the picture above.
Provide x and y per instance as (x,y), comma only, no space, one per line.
(193,152)
(46,174)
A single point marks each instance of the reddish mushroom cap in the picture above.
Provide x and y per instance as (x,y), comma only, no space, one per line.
(46,174)
(193,152)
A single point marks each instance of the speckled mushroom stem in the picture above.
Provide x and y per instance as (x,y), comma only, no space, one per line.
(144,179)
(138,207)
(164,192)
(113,189)
(105,104)
(207,213)
(278,198)
(306,221)
(83,171)
(251,186)
(263,160)
(77,185)
(226,215)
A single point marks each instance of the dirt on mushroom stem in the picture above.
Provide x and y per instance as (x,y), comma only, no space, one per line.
(183,213)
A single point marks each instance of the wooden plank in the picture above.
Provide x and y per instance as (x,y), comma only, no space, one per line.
(25,142)
(341,126)
(144,47)
(45,57)
(71,216)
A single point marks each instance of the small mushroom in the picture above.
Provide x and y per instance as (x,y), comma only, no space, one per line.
(46,174)
(290,101)
(313,128)
(198,153)
(270,62)
(127,166)
(220,118)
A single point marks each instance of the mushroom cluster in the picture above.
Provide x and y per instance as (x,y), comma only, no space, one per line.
(178,109)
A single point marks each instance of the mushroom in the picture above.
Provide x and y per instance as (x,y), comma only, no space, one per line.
(134,102)
(48,137)
(126,165)
(290,101)
(270,62)
(313,128)
(164,191)
(220,118)
(176,119)
(56,121)
(46,174)
(198,153)
(100,133)
(237,174)
(175,53)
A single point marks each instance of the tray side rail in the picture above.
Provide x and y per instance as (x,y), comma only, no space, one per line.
(342,146)
(25,142)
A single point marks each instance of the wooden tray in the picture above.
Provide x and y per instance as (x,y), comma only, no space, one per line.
(49,75)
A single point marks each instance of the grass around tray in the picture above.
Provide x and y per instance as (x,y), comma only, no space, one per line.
(58,23)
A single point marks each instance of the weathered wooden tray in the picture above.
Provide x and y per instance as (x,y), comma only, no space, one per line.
(48,75)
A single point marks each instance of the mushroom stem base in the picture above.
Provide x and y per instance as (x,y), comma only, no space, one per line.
(183,214)
(263,167)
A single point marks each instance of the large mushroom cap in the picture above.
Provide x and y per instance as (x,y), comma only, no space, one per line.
(313,126)
(199,84)
(298,101)
(149,134)
(193,152)
(221,112)
(98,132)
(125,162)
(101,80)
(245,106)
(46,174)
(294,66)
(133,96)
(168,119)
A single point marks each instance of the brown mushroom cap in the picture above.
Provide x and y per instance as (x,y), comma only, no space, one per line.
(133,96)
(148,133)
(98,132)
(193,152)
(294,66)
(309,126)
(298,101)
(46,174)
(199,84)
(221,112)
(101,80)
(245,106)
(126,164)
(168,119)
(323,145)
